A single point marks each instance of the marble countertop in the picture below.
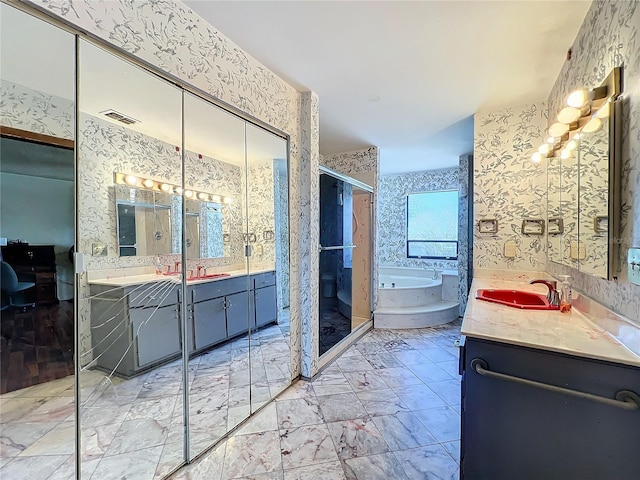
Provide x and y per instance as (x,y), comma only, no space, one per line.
(575,333)
(128,280)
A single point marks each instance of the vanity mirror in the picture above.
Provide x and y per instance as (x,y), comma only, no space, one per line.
(148,223)
(582,150)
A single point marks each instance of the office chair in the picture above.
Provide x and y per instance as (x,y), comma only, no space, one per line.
(12,290)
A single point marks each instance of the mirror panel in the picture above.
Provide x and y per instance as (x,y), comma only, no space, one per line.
(569,193)
(594,199)
(37,376)
(556,221)
(267,239)
(218,305)
(130,349)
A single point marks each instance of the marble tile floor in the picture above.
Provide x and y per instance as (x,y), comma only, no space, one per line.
(385,410)
(133,428)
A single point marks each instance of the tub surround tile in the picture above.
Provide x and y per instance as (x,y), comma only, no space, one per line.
(431,461)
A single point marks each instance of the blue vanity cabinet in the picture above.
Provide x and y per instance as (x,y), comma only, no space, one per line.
(134,328)
(265,310)
(512,430)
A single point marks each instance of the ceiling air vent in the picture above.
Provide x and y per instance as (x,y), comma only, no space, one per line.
(120,117)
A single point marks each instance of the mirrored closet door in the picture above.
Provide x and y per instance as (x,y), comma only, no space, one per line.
(37,116)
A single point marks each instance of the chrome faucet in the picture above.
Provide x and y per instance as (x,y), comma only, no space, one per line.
(553,297)
(435,272)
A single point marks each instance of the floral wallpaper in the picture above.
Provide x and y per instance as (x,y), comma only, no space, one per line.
(38,112)
(170,36)
(607,38)
(508,186)
(392,216)
(465,247)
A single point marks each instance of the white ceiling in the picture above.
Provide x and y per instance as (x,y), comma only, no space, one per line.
(406,76)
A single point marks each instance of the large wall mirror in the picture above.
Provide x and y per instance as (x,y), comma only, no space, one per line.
(583,184)
(180,329)
(37,111)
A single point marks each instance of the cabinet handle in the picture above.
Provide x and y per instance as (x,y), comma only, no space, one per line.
(625,399)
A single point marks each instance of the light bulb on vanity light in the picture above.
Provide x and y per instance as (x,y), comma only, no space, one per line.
(568,115)
(178,190)
(551,140)
(227,200)
(165,187)
(130,180)
(565,154)
(536,157)
(148,183)
(544,149)
(572,144)
(216,198)
(578,98)
(203,196)
(558,129)
(593,125)
(188,193)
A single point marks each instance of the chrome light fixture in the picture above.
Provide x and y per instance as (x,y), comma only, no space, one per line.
(150,184)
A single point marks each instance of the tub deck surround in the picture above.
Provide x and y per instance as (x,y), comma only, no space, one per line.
(588,331)
(412,298)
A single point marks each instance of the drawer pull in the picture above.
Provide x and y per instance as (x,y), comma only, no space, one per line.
(625,399)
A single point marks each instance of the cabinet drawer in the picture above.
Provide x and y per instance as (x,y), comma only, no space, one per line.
(261,280)
(156,294)
(218,288)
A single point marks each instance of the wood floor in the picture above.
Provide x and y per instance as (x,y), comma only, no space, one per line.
(36,346)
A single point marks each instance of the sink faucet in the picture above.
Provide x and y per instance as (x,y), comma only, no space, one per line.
(177,267)
(552,295)
(200,269)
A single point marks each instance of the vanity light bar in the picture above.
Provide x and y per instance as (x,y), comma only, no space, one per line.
(150,184)
(583,112)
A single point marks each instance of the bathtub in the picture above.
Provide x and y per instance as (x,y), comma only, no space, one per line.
(412,298)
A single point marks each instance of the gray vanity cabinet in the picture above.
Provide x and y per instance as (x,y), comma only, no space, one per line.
(209,323)
(237,313)
(513,430)
(134,327)
(264,305)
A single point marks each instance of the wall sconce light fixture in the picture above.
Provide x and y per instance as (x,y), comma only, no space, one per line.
(583,112)
(149,184)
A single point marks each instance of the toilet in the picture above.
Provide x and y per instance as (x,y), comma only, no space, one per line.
(328,285)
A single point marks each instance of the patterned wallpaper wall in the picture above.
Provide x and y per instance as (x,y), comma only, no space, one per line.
(392,216)
(40,112)
(508,186)
(465,248)
(173,38)
(609,37)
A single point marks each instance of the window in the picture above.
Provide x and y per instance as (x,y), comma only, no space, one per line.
(432,225)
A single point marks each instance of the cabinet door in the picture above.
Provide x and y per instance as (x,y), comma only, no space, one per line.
(209,322)
(265,305)
(156,333)
(237,313)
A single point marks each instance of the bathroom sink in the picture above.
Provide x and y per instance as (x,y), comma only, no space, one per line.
(516,298)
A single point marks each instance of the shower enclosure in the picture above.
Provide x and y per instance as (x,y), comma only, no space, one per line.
(345,257)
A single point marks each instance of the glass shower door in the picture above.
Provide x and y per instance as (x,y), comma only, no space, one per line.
(345,257)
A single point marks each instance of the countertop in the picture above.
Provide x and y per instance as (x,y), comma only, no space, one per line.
(128,280)
(574,333)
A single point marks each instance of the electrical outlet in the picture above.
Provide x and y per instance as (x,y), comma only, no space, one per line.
(99,250)
(510,249)
(633,265)
(578,251)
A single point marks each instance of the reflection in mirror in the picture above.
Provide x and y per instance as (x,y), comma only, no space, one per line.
(218,306)
(594,199)
(130,346)
(554,210)
(37,405)
(569,171)
(267,231)
(345,259)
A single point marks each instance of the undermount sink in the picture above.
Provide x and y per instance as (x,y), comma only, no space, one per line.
(516,299)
